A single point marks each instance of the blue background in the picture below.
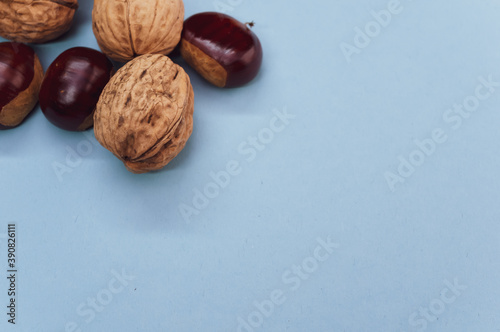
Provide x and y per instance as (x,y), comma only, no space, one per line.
(323,175)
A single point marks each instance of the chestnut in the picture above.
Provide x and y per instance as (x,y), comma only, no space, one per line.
(20,78)
(221,49)
(72,85)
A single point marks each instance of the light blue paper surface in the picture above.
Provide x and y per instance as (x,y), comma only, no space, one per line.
(368,203)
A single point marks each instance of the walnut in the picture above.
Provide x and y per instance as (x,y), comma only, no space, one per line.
(125,29)
(35,21)
(144,115)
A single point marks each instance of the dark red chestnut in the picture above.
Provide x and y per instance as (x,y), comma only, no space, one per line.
(21,75)
(72,86)
(221,49)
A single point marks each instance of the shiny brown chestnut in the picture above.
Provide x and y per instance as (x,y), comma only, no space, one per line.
(72,86)
(20,78)
(221,49)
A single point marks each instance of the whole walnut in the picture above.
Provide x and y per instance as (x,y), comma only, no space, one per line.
(125,29)
(35,21)
(144,115)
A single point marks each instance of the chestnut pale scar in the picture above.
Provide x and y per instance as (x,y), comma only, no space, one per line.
(207,67)
(87,123)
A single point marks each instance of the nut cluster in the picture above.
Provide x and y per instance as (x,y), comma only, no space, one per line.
(145,113)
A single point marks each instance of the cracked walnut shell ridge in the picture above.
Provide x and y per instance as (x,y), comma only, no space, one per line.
(145,113)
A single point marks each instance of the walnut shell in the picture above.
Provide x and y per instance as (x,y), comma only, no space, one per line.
(35,21)
(125,29)
(144,115)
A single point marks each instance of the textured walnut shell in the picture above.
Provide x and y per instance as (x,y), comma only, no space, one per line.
(125,29)
(35,21)
(145,113)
